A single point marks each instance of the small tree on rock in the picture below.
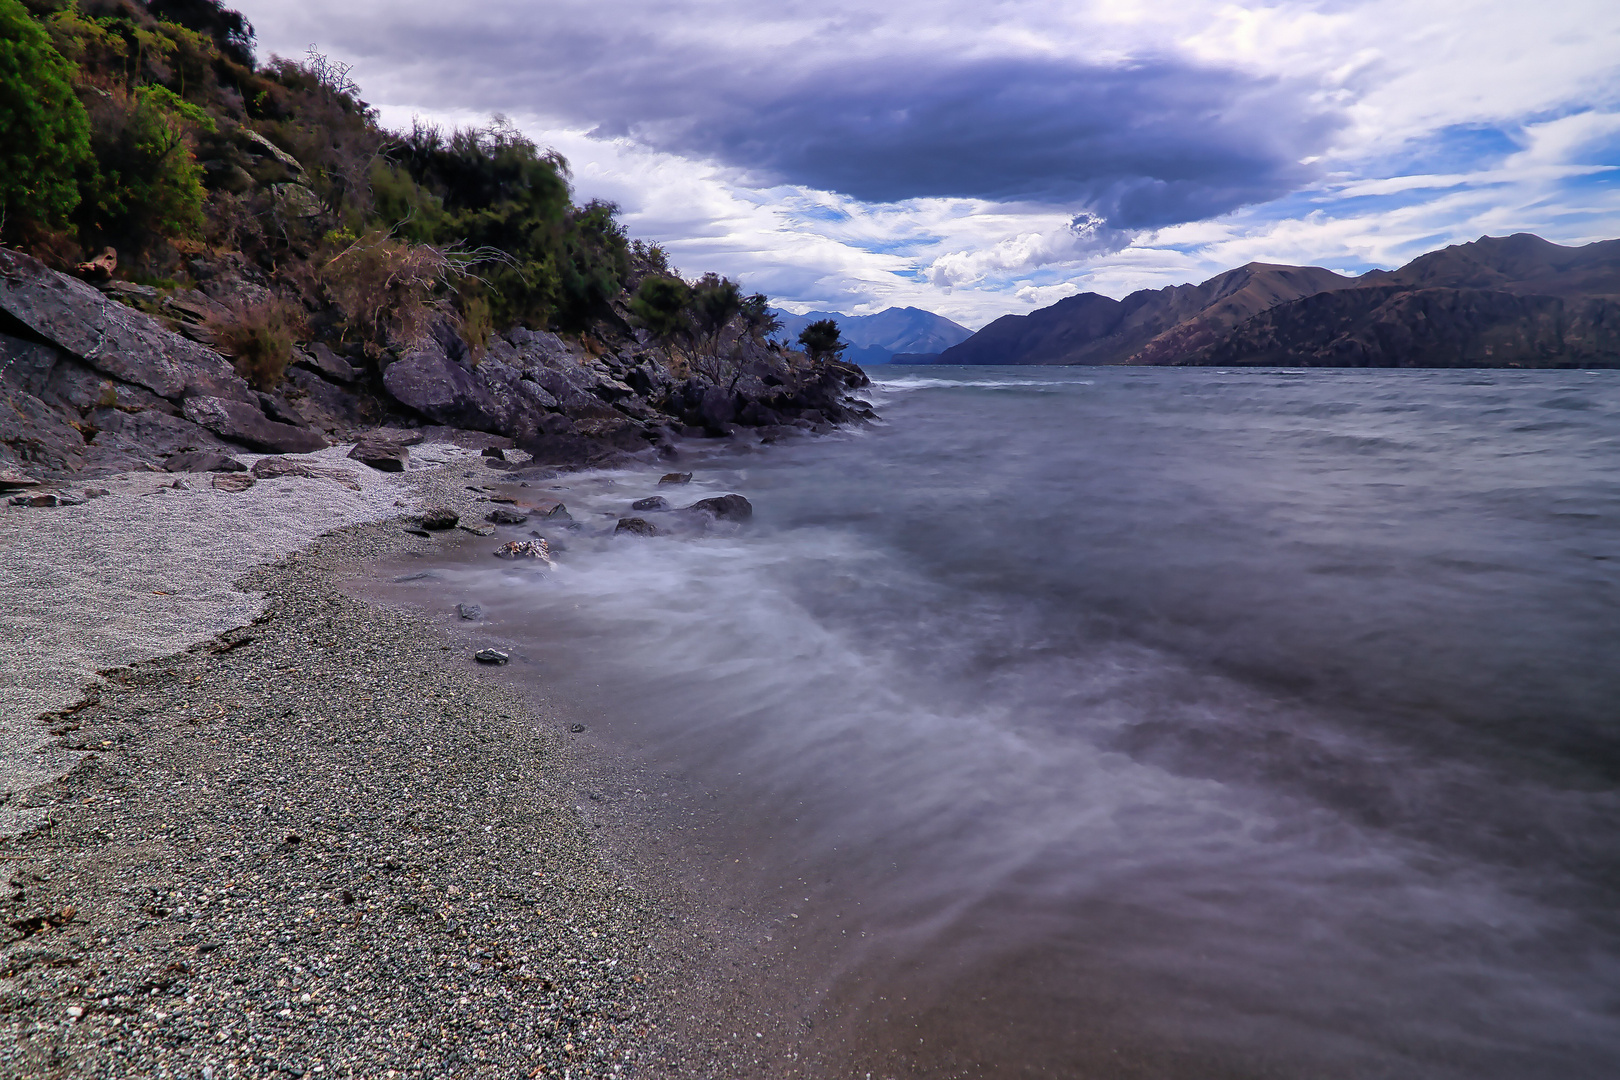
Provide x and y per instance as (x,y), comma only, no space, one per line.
(660,307)
(822,341)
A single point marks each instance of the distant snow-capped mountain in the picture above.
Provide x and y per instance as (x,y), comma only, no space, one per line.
(875,339)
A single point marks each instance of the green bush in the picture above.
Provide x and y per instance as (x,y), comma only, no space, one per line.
(44,135)
(145,181)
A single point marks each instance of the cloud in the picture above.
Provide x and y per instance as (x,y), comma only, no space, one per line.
(1140,145)
(957,156)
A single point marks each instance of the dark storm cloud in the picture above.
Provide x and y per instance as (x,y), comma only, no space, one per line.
(1141,146)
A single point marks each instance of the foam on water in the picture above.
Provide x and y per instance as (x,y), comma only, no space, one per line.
(1159,723)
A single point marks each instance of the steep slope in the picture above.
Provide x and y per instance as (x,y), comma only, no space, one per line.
(1511,301)
(1153,326)
(875,339)
(1522,263)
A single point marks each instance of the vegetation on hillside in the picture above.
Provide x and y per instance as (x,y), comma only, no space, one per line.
(151,128)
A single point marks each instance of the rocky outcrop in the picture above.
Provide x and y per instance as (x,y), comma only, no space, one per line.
(90,383)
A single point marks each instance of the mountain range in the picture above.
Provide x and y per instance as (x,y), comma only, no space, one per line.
(1514,301)
(877,339)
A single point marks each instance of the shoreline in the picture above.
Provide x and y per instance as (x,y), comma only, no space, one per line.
(326,843)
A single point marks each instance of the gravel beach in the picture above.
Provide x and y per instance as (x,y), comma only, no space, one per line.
(288,833)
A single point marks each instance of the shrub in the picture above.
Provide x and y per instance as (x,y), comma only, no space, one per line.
(145,181)
(259,338)
(44,135)
(388,290)
(820,339)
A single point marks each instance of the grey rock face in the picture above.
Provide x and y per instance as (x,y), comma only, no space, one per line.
(242,422)
(203,461)
(328,363)
(110,337)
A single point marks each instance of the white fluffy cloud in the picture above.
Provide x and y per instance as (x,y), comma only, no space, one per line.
(976,160)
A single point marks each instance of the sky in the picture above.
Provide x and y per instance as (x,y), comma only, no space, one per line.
(977,158)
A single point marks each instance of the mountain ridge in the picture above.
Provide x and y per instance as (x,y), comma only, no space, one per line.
(877,338)
(1463,305)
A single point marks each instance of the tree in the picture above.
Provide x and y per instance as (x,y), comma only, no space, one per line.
(715,301)
(44,134)
(820,339)
(660,306)
(757,317)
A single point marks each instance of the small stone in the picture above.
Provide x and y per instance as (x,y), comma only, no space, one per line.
(493,452)
(526,549)
(636,527)
(96,493)
(491,656)
(233,482)
(675,478)
(576,728)
(75,1011)
(470,612)
(438,518)
(654,502)
(503,515)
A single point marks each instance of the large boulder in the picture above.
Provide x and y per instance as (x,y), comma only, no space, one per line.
(241,422)
(436,378)
(110,337)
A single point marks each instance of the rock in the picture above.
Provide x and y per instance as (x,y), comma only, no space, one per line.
(493,452)
(576,728)
(101,266)
(418,532)
(11,479)
(149,433)
(242,422)
(526,549)
(264,145)
(438,518)
(436,378)
(319,358)
(550,510)
(233,482)
(109,336)
(654,502)
(675,478)
(470,612)
(503,515)
(268,468)
(726,507)
(42,499)
(296,201)
(203,461)
(96,492)
(380,455)
(636,527)
(718,408)
(491,656)
(477,530)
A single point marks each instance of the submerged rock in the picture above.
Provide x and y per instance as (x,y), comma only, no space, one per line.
(675,478)
(654,502)
(636,527)
(470,612)
(726,507)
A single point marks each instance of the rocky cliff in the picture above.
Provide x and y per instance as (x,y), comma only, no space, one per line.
(89,385)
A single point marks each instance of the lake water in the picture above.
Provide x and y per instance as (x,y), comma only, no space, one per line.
(1158,723)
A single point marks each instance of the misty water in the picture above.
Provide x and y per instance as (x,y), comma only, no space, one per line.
(1113,722)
